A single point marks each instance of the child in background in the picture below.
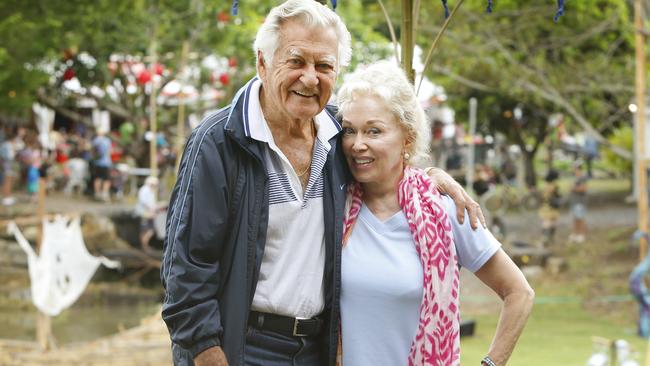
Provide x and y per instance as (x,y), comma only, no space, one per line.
(33,175)
(146,209)
(578,201)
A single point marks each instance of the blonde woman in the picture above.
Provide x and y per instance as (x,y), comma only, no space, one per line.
(403,244)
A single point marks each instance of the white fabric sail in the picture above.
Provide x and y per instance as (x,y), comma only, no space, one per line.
(61,271)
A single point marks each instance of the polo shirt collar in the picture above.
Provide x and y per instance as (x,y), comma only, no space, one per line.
(256,127)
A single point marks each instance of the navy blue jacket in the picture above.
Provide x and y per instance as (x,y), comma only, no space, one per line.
(216,232)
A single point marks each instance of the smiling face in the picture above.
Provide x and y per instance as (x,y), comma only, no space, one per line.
(297,83)
(374,142)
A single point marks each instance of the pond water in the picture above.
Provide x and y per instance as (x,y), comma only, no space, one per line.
(78,323)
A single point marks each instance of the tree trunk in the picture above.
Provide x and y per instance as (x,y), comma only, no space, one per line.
(550,147)
(530,174)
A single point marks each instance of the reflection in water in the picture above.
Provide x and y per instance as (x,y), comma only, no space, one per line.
(78,323)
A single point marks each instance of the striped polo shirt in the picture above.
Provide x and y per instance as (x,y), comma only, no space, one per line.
(291,276)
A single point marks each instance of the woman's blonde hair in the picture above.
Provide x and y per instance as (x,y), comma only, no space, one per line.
(385,80)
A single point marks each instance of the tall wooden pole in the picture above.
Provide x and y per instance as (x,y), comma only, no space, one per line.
(407,39)
(43,321)
(469,170)
(180,122)
(642,188)
(153,122)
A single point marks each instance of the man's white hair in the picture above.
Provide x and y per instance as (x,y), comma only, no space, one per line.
(388,82)
(312,14)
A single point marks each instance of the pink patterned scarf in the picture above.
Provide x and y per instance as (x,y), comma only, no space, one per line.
(437,341)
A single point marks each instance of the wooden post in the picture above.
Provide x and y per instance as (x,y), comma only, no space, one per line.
(642,187)
(153,128)
(469,170)
(641,119)
(43,321)
(180,122)
(407,39)
(40,211)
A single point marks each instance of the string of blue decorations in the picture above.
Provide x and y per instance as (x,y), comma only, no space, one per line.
(558,13)
(444,4)
(560,10)
(235,6)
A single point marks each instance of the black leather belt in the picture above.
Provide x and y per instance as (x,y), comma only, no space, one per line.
(285,325)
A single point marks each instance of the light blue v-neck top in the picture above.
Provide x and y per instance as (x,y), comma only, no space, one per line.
(382,284)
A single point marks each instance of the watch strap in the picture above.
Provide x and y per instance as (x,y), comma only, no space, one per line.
(487,361)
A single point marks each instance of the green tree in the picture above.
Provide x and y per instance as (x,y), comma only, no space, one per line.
(44,44)
(580,66)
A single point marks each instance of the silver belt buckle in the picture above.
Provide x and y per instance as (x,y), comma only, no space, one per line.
(295,327)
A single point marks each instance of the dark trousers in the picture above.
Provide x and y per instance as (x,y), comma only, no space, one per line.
(264,348)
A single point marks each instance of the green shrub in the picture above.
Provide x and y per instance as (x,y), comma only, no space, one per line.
(622,137)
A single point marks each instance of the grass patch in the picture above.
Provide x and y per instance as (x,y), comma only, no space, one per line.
(556,334)
(591,298)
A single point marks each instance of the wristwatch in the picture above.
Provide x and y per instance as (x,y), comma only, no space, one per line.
(487,361)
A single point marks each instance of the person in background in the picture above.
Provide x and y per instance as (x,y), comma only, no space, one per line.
(5,167)
(77,169)
(578,200)
(33,175)
(402,245)
(549,211)
(590,152)
(102,163)
(9,150)
(146,209)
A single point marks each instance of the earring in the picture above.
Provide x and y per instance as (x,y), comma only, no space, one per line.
(407,156)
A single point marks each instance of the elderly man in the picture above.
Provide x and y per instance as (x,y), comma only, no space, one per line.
(252,255)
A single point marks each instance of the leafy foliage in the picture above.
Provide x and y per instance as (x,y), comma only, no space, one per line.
(622,137)
(580,66)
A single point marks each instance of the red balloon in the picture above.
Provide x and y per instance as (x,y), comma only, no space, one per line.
(223,17)
(144,77)
(68,74)
(224,79)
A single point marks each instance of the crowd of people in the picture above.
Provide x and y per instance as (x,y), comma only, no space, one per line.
(76,162)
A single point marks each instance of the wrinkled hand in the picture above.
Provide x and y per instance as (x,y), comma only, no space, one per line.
(212,356)
(447,185)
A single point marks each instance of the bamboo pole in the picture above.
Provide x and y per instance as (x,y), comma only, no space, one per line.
(153,122)
(180,122)
(407,39)
(43,321)
(642,188)
(391,30)
(434,44)
(40,212)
